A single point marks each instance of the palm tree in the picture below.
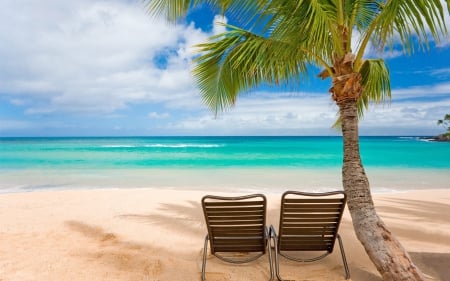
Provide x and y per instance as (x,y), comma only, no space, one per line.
(445,122)
(279,41)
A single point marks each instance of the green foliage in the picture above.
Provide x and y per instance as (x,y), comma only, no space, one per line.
(445,122)
(287,36)
(238,60)
(376,83)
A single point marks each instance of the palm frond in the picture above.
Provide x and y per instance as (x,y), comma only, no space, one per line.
(171,10)
(360,14)
(237,61)
(413,22)
(376,83)
(175,9)
(310,23)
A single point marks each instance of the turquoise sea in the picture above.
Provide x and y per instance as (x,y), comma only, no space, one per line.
(42,163)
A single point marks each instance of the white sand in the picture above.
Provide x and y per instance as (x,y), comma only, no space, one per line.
(149,234)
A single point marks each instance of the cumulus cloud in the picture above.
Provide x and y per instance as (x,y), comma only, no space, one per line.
(91,56)
(257,114)
(408,118)
(219,24)
(314,114)
(103,58)
(440,90)
(156,115)
(8,124)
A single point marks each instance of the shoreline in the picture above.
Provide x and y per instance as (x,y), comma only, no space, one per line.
(156,234)
(270,180)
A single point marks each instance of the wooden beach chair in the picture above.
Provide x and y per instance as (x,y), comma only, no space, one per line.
(237,231)
(309,222)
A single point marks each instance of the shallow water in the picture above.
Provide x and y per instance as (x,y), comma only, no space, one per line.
(269,164)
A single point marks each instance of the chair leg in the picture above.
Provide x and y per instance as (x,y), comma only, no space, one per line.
(273,236)
(205,251)
(269,249)
(341,246)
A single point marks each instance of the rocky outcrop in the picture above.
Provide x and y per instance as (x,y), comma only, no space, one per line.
(443,137)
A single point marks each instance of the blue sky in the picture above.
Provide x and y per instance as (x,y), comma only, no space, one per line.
(105,68)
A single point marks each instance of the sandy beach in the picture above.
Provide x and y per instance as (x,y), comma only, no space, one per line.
(151,234)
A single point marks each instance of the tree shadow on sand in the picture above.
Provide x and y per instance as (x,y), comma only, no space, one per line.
(189,215)
(437,264)
(415,213)
(131,259)
(171,216)
(433,265)
(188,218)
(416,210)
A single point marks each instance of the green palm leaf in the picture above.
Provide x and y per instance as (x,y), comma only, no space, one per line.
(237,61)
(376,83)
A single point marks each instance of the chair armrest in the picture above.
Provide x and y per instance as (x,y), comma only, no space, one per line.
(272,232)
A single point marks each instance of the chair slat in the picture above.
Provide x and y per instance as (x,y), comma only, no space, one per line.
(305,231)
(295,208)
(314,205)
(234,209)
(240,249)
(315,215)
(237,235)
(313,200)
(241,228)
(256,217)
(222,230)
(310,223)
(234,203)
(309,239)
(236,224)
(309,242)
(329,220)
(304,247)
(238,241)
(211,214)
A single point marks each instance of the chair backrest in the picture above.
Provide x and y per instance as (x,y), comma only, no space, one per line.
(236,224)
(310,221)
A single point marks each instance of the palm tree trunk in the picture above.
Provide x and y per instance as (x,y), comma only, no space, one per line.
(385,251)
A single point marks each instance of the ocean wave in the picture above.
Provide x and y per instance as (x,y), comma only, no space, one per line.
(427,139)
(118,146)
(424,139)
(183,145)
(160,145)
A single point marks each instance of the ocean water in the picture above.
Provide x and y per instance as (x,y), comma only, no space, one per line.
(224,163)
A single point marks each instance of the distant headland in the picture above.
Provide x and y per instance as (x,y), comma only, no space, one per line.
(446,123)
(442,137)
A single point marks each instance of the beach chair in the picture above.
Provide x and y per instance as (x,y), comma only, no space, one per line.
(309,222)
(237,231)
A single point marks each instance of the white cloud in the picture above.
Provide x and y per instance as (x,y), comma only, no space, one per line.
(91,56)
(441,73)
(411,117)
(218,26)
(314,114)
(427,91)
(156,115)
(258,114)
(96,57)
(12,125)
